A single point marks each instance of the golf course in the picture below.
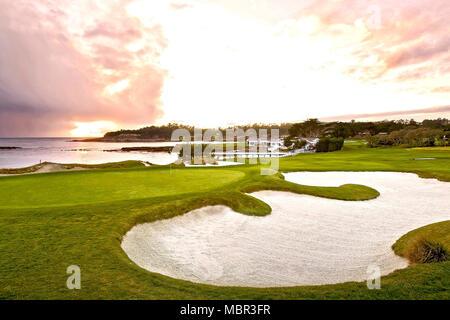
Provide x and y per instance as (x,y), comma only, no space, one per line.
(49,221)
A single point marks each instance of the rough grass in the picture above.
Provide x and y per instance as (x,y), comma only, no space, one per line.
(51,221)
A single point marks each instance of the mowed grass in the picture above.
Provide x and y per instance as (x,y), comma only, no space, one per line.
(51,221)
(100,186)
(357,157)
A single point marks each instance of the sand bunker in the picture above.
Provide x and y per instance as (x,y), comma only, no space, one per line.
(305,241)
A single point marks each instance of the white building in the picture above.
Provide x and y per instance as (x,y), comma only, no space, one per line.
(271,145)
(311,144)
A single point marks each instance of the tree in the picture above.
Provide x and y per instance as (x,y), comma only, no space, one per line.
(341,130)
(329,144)
(311,128)
(299,144)
(288,141)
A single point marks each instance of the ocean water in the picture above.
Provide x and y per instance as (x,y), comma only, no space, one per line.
(63,150)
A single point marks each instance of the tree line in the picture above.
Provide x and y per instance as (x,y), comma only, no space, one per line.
(313,128)
(380,133)
(164,132)
(377,133)
(418,137)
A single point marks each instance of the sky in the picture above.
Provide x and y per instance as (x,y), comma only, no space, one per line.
(82,68)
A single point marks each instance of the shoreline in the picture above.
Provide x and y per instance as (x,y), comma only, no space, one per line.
(142,149)
(44,167)
(47,167)
(119,140)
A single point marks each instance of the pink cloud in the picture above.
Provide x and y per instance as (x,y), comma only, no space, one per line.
(409,34)
(180,6)
(111,30)
(59,56)
(421,113)
(48,80)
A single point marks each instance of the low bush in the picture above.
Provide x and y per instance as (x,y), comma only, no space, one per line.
(427,251)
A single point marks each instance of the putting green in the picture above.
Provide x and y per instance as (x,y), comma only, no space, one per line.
(101,186)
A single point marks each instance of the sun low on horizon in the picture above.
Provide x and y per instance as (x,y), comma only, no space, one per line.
(132,63)
(92,129)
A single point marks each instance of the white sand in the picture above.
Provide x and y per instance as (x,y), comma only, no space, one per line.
(305,241)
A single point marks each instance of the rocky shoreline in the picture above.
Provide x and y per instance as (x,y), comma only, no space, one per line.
(10,148)
(143,149)
(119,139)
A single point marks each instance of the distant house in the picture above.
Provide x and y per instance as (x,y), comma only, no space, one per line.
(274,145)
(312,141)
(311,144)
(269,144)
(307,145)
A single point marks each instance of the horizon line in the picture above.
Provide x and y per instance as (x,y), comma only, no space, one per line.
(437,109)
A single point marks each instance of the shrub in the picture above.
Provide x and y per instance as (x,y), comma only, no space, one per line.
(427,251)
(329,144)
(288,141)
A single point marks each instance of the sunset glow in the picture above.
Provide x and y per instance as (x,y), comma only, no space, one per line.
(131,63)
(117,87)
(92,129)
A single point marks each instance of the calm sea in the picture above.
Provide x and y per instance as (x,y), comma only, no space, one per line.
(63,150)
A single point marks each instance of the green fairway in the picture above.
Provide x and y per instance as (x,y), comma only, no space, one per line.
(356,157)
(51,221)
